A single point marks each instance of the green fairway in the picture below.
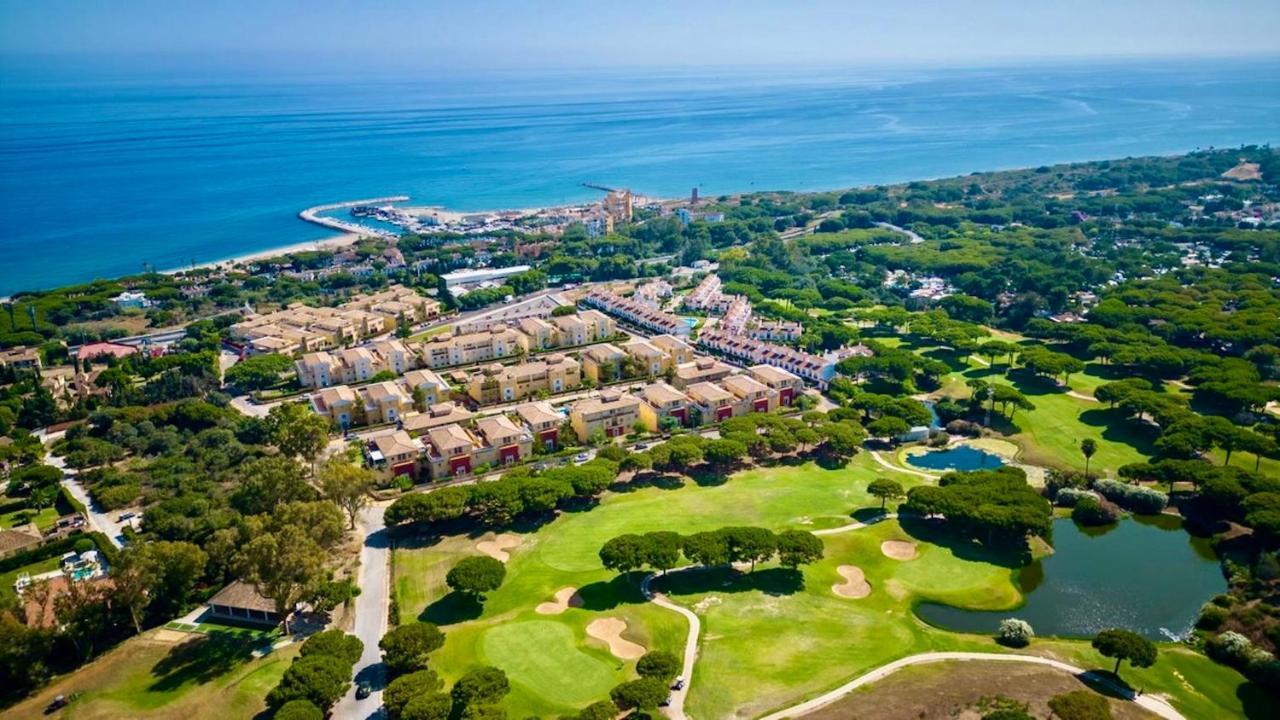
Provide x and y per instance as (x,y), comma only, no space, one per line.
(545,657)
(769,639)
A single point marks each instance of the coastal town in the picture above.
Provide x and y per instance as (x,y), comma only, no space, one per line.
(486,450)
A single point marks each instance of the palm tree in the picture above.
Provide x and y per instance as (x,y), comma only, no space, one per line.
(1088,446)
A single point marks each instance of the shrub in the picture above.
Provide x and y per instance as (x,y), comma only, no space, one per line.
(964,427)
(476,575)
(658,664)
(334,643)
(602,710)
(406,648)
(1232,648)
(1015,633)
(299,710)
(482,686)
(1138,499)
(1093,512)
(1212,617)
(1080,705)
(406,687)
(318,679)
(642,694)
(1070,497)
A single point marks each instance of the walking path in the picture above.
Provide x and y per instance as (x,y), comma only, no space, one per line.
(98,519)
(876,456)
(1148,702)
(1081,396)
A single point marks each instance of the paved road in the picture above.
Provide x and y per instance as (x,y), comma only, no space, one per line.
(915,238)
(371,616)
(1148,702)
(99,519)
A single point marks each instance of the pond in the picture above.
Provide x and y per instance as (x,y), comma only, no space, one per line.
(960,457)
(1143,574)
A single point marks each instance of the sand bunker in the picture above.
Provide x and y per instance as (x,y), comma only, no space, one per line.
(855,584)
(565,599)
(497,548)
(898,549)
(609,631)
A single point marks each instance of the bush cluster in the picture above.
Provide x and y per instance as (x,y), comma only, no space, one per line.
(1135,498)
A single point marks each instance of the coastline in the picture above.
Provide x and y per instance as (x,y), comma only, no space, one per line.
(330,243)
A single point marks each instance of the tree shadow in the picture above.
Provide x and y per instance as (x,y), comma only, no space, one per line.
(868,515)
(938,532)
(725,579)
(830,462)
(1256,701)
(453,608)
(1105,682)
(1030,384)
(621,589)
(662,481)
(201,661)
(709,476)
(1119,428)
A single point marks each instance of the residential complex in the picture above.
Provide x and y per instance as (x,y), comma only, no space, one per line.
(556,373)
(637,313)
(301,328)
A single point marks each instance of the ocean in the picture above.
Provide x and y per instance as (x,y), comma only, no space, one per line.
(101,174)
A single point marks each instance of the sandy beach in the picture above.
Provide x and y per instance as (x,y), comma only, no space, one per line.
(331,243)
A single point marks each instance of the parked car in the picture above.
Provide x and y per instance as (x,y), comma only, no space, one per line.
(642,446)
(678,684)
(581,457)
(363,690)
(125,517)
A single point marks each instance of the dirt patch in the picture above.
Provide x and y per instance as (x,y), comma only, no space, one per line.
(609,631)
(898,549)
(565,598)
(1244,171)
(170,637)
(855,583)
(952,691)
(497,548)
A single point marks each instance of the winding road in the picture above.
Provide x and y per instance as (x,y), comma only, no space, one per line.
(675,709)
(1148,702)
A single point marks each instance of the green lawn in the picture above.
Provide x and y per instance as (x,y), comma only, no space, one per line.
(43,518)
(147,679)
(770,639)
(8,579)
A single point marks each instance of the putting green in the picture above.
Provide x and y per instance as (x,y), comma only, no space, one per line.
(544,658)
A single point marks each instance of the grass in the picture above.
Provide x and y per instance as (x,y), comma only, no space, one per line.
(148,679)
(7,591)
(770,639)
(44,518)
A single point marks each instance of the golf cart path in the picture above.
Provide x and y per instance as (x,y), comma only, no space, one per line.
(885,463)
(855,525)
(675,710)
(1081,396)
(1148,702)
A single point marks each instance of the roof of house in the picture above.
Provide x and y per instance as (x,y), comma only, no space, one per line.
(707,392)
(642,348)
(497,428)
(670,343)
(11,540)
(415,378)
(604,352)
(241,594)
(396,443)
(743,385)
(449,437)
(660,393)
(536,413)
(769,373)
(436,416)
(605,401)
(99,349)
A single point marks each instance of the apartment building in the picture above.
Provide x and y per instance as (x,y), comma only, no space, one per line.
(393,356)
(787,385)
(752,395)
(638,313)
(337,403)
(713,402)
(603,362)
(434,389)
(707,296)
(396,452)
(602,326)
(498,342)
(652,359)
(395,302)
(556,373)
(660,401)
(775,330)
(505,443)
(385,402)
(678,350)
(436,415)
(611,414)
(22,358)
(449,451)
(736,316)
(543,421)
(573,330)
(542,334)
(703,369)
(301,328)
(817,369)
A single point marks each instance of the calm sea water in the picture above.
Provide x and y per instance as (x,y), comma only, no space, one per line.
(99,176)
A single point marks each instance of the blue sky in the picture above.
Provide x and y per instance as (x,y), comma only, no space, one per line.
(547,33)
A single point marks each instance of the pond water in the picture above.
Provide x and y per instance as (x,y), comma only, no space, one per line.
(1143,574)
(960,457)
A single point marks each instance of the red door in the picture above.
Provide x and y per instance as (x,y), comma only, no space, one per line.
(724,412)
(761,405)
(509,454)
(460,465)
(784,396)
(680,415)
(549,438)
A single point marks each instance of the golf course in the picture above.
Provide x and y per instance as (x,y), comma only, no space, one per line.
(565,630)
